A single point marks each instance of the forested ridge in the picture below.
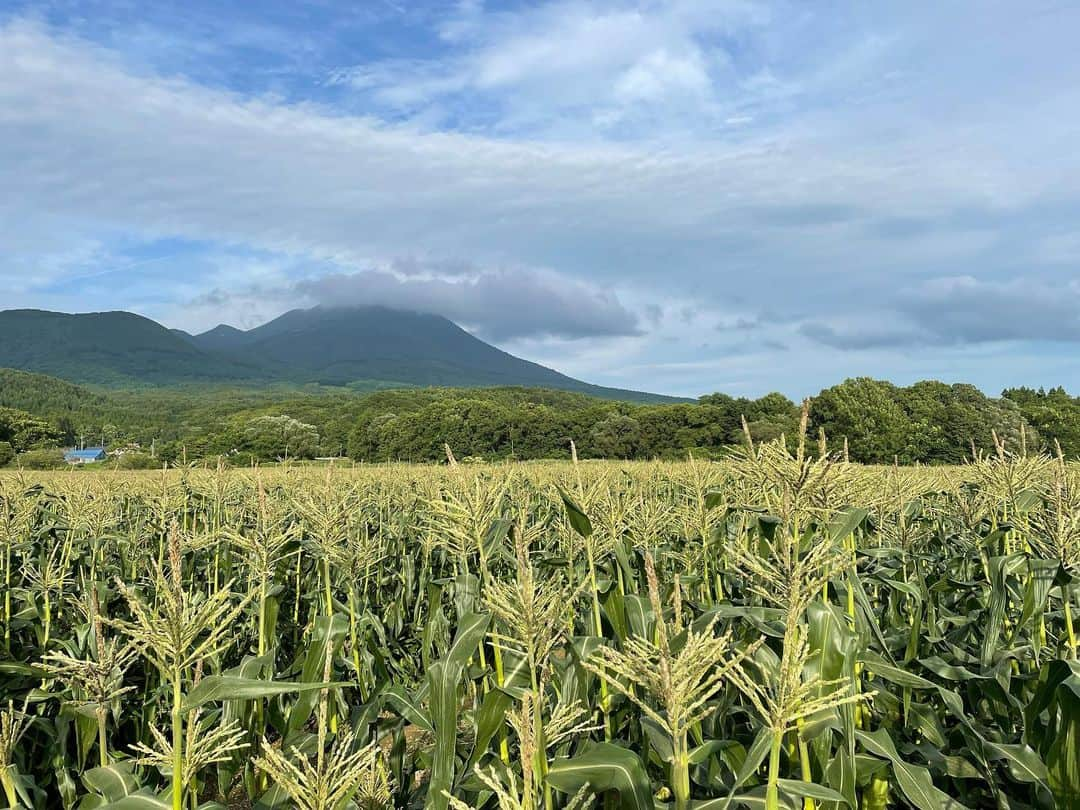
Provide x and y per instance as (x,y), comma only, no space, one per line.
(871,420)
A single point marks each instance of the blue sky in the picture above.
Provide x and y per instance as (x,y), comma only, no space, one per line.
(681,196)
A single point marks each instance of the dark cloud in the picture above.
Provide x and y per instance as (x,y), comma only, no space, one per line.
(688,313)
(958,219)
(213,298)
(961,310)
(753,346)
(499,304)
(741,323)
(775,345)
(902,227)
(805,215)
(858,336)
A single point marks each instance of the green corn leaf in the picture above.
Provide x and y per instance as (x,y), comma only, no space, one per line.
(914,780)
(703,752)
(574,513)
(1040,580)
(1054,723)
(18,668)
(714,498)
(841,777)
(327,638)
(894,674)
(470,632)
(488,720)
(639,615)
(443,678)
(112,782)
(605,767)
(1024,764)
(233,687)
(495,539)
(144,799)
(950,672)
(845,522)
(811,790)
(659,738)
(1026,500)
(753,798)
(1001,568)
(869,618)
(754,757)
(397,698)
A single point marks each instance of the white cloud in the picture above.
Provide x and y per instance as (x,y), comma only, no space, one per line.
(661,74)
(566,68)
(759,157)
(88,145)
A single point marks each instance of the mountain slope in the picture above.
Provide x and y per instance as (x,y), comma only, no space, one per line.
(43,395)
(341,346)
(109,348)
(363,348)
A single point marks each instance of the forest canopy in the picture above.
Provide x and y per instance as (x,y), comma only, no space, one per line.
(928,422)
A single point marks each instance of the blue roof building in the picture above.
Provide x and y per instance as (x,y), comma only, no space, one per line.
(87,456)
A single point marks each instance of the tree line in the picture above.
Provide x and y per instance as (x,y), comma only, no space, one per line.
(872,421)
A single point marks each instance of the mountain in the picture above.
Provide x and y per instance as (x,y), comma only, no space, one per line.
(222,338)
(114,349)
(360,347)
(340,346)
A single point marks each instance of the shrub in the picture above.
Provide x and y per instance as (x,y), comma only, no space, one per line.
(7,453)
(136,461)
(46,459)
(242,459)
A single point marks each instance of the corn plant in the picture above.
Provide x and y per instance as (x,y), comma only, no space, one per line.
(778,629)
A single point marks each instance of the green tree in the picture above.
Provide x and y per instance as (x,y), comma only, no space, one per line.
(24,431)
(1054,413)
(868,414)
(271,437)
(615,437)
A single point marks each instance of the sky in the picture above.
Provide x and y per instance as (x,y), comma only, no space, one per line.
(682,197)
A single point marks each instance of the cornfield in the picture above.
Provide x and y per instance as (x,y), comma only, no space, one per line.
(780,629)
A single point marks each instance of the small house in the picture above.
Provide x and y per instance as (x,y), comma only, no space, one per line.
(88,456)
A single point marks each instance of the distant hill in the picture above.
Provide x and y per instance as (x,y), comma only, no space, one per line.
(43,395)
(194,414)
(220,338)
(364,347)
(114,349)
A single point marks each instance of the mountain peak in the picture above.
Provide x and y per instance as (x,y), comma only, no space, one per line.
(221,338)
(222,329)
